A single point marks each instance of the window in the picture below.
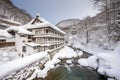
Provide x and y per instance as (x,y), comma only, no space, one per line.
(119,22)
(22,35)
(30,30)
(34,39)
(36,32)
(34,48)
(118,13)
(29,36)
(23,41)
(51,47)
(24,49)
(47,31)
(29,41)
(12,32)
(2,40)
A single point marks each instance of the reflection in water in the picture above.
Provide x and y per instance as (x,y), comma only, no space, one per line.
(73,73)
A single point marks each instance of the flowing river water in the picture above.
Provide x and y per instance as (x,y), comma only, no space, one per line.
(73,72)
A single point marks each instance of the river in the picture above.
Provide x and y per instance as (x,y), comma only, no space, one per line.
(73,72)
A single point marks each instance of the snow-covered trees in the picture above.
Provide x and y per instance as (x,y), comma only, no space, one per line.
(111,10)
(104,5)
(11,12)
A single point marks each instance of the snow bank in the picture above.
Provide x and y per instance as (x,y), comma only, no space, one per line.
(18,64)
(67,52)
(105,63)
(109,65)
(91,62)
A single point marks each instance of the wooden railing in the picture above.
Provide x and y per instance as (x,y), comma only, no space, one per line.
(6,44)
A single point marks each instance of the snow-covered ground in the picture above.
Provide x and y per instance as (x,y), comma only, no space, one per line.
(106,63)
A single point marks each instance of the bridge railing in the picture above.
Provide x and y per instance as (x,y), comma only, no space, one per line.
(16,65)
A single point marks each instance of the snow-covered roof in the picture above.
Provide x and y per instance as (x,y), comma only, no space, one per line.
(19,30)
(41,24)
(10,21)
(4,33)
(2,38)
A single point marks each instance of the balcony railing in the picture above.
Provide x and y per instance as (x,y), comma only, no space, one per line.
(50,42)
(48,35)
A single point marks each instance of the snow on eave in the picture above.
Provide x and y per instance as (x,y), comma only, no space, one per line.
(45,45)
(32,44)
(58,29)
(19,30)
(36,44)
(5,34)
(32,26)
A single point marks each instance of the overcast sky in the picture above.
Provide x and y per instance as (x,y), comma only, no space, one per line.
(57,10)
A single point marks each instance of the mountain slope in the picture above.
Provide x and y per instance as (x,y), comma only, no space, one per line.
(68,23)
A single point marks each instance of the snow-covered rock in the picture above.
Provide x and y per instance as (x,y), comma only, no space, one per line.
(91,62)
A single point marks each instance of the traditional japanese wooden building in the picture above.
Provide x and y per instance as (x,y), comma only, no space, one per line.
(46,37)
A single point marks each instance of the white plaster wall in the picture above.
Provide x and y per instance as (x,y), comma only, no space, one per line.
(29,50)
(10,39)
(19,43)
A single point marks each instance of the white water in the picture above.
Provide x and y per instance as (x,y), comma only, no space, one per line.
(68,68)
